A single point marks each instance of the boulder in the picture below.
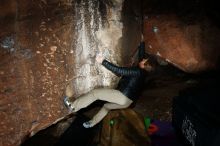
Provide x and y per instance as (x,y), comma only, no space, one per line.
(46,45)
(123,128)
(191,46)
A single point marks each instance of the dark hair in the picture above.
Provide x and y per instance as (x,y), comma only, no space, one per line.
(141,52)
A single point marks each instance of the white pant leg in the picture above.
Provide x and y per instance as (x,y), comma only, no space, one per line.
(104,111)
(83,101)
(110,106)
(109,95)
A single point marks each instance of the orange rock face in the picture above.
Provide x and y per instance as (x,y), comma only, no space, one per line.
(191,47)
(45,45)
(33,71)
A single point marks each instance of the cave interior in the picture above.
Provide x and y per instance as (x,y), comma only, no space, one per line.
(49,46)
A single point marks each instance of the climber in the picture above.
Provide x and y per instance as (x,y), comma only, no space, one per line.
(127,91)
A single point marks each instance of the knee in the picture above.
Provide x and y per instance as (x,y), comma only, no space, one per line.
(106,108)
(125,102)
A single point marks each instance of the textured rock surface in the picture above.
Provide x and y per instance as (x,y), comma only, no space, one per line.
(192,48)
(34,52)
(45,45)
(98,29)
(189,41)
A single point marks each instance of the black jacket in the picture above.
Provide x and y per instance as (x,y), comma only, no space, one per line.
(132,80)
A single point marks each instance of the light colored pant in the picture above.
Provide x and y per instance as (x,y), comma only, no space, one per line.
(115,98)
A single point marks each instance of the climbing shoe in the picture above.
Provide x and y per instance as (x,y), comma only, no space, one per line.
(67,103)
(87,124)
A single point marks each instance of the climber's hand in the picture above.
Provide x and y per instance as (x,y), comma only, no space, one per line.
(99,58)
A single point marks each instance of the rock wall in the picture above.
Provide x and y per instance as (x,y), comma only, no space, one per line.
(98,30)
(47,44)
(184,33)
(34,50)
